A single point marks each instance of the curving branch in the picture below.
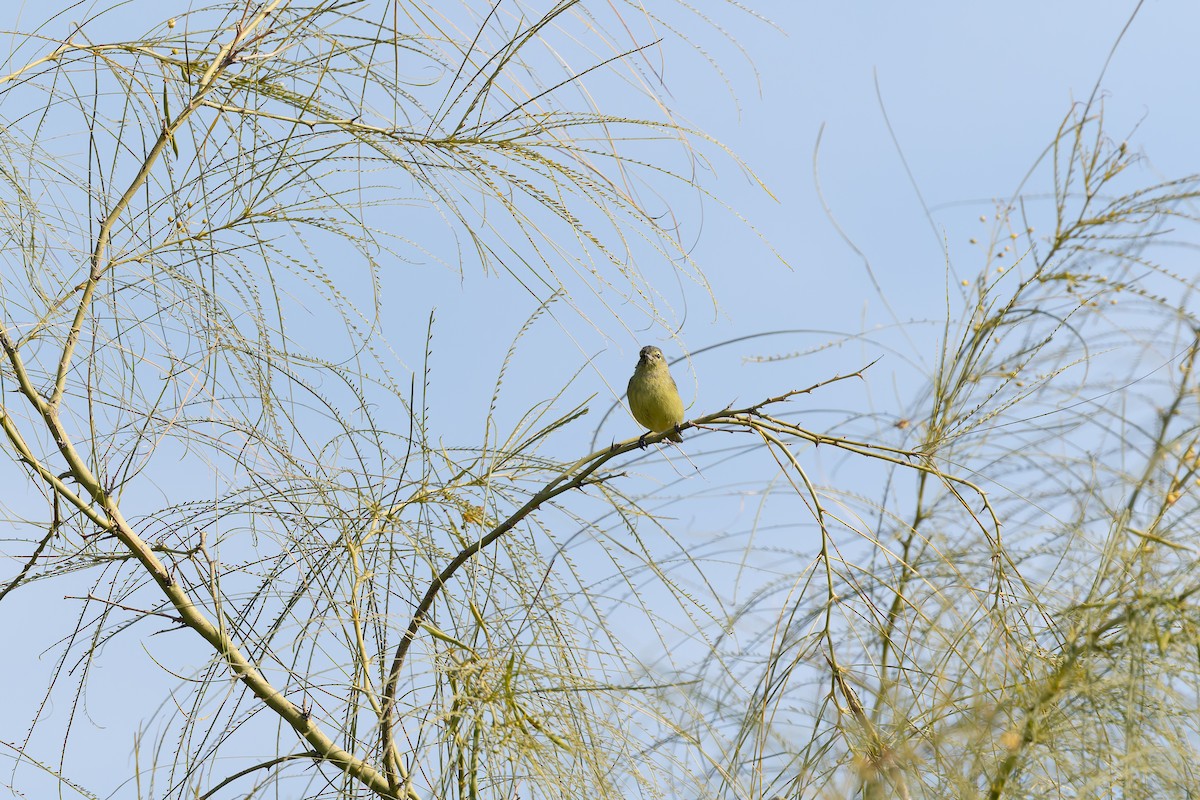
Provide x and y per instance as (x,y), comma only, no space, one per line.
(102,507)
(582,473)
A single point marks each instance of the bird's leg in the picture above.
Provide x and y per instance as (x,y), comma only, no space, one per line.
(642,441)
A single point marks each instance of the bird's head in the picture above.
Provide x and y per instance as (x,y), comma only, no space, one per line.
(651,356)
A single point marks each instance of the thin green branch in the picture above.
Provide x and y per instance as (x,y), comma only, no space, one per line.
(246,35)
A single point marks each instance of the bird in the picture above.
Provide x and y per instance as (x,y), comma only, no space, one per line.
(653,397)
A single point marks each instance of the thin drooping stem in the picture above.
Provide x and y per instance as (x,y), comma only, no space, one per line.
(573,477)
(246,34)
(103,508)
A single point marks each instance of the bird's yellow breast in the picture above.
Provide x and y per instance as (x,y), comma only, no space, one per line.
(654,398)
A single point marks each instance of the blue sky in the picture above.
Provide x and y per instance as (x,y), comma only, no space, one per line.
(973,93)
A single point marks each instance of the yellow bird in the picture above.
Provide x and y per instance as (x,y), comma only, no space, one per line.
(653,397)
